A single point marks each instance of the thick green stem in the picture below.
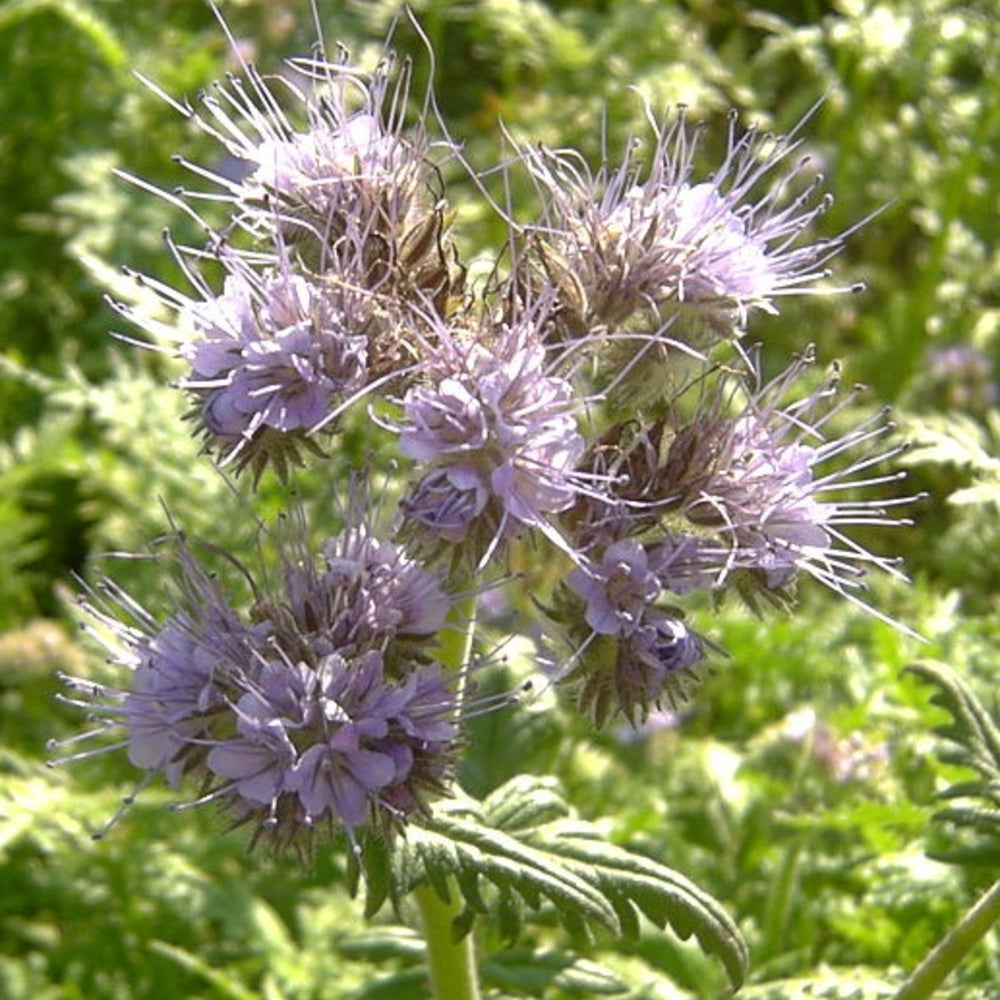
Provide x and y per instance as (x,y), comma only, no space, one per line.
(452,965)
(456,643)
(959,941)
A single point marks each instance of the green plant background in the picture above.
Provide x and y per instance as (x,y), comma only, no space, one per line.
(800,786)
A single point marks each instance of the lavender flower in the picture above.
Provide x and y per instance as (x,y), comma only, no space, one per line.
(323,705)
(619,590)
(336,742)
(364,593)
(333,170)
(691,257)
(344,172)
(745,496)
(638,656)
(271,357)
(344,260)
(499,434)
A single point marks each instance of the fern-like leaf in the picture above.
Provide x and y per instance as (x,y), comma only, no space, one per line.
(975,738)
(456,845)
(633,883)
(521,849)
(973,729)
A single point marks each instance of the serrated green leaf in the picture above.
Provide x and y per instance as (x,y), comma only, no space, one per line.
(523,802)
(383,943)
(666,897)
(564,863)
(453,844)
(508,916)
(462,924)
(833,984)
(628,918)
(962,789)
(977,745)
(376,863)
(983,820)
(468,882)
(972,728)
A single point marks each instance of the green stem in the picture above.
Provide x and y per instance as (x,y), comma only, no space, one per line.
(456,644)
(451,964)
(779,901)
(956,944)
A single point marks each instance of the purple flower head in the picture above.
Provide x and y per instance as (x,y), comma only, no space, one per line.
(362,593)
(339,173)
(270,359)
(332,169)
(646,239)
(636,656)
(337,743)
(183,672)
(499,434)
(750,490)
(321,705)
(174,686)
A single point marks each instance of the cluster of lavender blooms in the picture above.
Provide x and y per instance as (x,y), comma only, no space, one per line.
(320,705)
(591,409)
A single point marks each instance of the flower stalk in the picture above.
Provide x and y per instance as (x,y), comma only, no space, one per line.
(953,947)
(451,964)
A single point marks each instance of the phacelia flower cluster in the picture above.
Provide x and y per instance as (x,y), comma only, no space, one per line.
(349,258)
(587,418)
(320,707)
(646,246)
(271,358)
(746,491)
(497,434)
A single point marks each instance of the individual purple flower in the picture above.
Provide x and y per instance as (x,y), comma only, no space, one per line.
(655,667)
(259,757)
(618,591)
(447,503)
(637,656)
(333,170)
(692,257)
(271,358)
(749,488)
(499,432)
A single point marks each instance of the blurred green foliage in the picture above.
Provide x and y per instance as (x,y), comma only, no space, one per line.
(798,788)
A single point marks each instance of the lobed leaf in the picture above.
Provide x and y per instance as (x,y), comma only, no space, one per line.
(976,738)
(545,858)
(973,727)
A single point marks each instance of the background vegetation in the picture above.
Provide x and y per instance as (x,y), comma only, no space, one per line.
(801,786)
